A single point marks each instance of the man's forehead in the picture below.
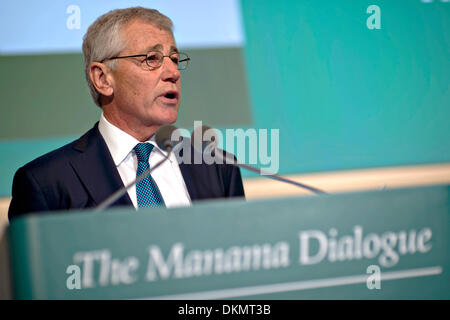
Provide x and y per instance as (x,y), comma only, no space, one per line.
(146,37)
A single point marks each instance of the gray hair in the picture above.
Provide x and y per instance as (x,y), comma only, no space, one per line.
(103,38)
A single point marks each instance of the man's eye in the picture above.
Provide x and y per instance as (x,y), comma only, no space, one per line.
(175,59)
(153,57)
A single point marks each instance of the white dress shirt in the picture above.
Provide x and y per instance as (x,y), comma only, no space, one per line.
(168,176)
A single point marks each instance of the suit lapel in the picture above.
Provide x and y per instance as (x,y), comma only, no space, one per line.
(186,171)
(96,169)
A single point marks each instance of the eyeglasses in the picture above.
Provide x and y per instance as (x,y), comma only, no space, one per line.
(154,59)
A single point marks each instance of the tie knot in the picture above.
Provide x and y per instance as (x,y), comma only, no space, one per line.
(143,151)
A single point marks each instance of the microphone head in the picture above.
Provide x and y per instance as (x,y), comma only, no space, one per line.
(204,137)
(163,136)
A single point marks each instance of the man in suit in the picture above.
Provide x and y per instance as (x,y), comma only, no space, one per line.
(132,68)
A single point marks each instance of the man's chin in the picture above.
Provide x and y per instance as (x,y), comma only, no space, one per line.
(167,120)
(161,116)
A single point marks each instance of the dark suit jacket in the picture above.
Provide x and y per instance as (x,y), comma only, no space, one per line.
(82,174)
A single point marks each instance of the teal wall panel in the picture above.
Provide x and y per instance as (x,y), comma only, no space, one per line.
(16,153)
(344,96)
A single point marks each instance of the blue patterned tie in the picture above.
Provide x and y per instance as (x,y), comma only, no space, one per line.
(147,191)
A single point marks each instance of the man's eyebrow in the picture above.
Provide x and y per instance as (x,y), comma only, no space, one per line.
(158,47)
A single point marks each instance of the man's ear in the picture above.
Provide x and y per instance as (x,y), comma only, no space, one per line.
(100,77)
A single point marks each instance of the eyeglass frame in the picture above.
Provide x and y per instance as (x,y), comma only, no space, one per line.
(146,55)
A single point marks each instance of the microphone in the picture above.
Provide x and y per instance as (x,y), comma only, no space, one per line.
(163,140)
(163,137)
(211,146)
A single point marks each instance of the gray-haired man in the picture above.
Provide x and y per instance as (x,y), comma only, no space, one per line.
(132,67)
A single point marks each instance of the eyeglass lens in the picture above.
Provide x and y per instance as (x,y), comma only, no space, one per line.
(155,59)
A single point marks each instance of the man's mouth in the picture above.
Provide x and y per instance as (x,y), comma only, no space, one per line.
(170,96)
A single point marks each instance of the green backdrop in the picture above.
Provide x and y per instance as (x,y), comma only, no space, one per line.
(345,96)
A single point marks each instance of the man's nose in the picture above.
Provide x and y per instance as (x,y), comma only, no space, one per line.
(170,70)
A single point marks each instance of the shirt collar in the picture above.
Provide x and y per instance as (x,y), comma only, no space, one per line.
(120,143)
